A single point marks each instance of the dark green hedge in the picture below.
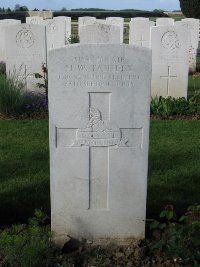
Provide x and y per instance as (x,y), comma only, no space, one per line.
(190,8)
(98,14)
(21,15)
(104,14)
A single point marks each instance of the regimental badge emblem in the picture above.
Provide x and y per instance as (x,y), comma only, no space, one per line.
(51,27)
(99,133)
(170,40)
(25,38)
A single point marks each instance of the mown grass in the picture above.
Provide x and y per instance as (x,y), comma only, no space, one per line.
(174,167)
(24,169)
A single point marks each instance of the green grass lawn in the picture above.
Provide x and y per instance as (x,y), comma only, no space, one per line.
(24,169)
(174,167)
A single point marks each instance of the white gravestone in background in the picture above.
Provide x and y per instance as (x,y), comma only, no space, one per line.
(99,97)
(83,21)
(3,24)
(26,52)
(117,21)
(98,33)
(67,21)
(34,20)
(165,22)
(56,33)
(193,26)
(139,18)
(139,32)
(170,61)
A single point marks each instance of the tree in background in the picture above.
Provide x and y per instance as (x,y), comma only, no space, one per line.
(190,8)
(20,8)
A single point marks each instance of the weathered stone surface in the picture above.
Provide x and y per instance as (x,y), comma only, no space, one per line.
(139,33)
(67,21)
(55,32)
(139,18)
(25,52)
(3,24)
(192,25)
(43,14)
(83,21)
(99,98)
(117,21)
(34,20)
(170,61)
(100,33)
(165,22)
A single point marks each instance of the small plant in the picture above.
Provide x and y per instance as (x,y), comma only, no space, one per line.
(179,238)
(165,107)
(73,39)
(35,102)
(11,94)
(44,77)
(2,67)
(28,246)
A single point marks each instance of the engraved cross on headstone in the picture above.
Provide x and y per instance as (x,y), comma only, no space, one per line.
(168,77)
(100,135)
(142,41)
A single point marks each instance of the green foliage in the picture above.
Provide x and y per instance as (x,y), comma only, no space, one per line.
(179,238)
(73,39)
(190,8)
(20,8)
(44,77)
(165,107)
(27,246)
(99,14)
(11,98)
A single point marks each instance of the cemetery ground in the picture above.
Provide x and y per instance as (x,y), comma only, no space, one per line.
(173,184)
(173,189)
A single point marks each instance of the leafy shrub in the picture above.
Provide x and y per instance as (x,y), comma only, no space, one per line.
(179,238)
(73,39)
(11,98)
(165,107)
(127,13)
(44,84)
(35,102)
(27,246)
(190,8)
(2,67)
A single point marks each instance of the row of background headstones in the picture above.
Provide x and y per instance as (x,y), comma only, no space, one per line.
(166,73)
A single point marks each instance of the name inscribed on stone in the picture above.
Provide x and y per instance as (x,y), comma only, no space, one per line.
(95,72)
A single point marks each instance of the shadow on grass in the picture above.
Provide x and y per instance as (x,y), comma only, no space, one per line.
(174,168)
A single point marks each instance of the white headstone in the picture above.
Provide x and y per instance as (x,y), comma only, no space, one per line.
(5,23)
(100,33)
(34,20)
(67,21)
(8,22)
(193,26)
(83,21)
(56,33)
(99,99)
(139,32)
(139,18)
(44,14)
(165,22)
(26,52)
(170,61)
(117,21)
